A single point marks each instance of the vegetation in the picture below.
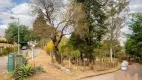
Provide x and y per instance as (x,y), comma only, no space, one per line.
(23,72)
(93,28)
(89,40)
(49,48)
(11,33)
(133,44)
(3,41)
(88,22)
(57,31)
(67,51)
(7,50)
(26,71)
(117,15)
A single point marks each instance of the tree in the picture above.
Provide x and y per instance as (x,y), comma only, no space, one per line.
(134,44)
(67,50)
(61,23)
(88,39)
(117,12)
(32,35)
(41,29)
(50,48)
(11,33)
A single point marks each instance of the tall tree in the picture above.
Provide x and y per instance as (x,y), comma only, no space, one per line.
(56,15)
(88,38)
(117,12)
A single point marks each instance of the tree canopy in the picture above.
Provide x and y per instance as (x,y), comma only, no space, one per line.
(134,42)
(11,33)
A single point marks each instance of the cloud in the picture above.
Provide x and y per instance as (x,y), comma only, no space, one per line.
(6,4)
(3,26)
(135,6)
(21,11)
(2,29)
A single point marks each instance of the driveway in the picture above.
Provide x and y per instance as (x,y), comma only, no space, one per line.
(132,70)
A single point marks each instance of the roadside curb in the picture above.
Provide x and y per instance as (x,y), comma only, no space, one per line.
(118,68)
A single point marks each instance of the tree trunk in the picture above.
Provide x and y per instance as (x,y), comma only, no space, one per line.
(77,63)
(61,59)
(81,55)
(111,53)
(51,54)
(69,63)
(56,50)
(91,59)
(57,54)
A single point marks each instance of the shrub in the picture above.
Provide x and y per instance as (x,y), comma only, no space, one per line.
(3,41)
(6,51)
(25,71)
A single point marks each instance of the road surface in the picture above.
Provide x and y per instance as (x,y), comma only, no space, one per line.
(3,64)
(118,75)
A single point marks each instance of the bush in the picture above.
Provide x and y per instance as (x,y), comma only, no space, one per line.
(6,51)
(3,41)
(25,71)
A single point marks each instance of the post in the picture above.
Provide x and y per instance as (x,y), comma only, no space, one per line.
(12,17)
(32,54)
(18,38)
(84,64)
(69,63)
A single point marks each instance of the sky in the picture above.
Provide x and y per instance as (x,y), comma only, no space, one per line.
(20,9)
(17,8)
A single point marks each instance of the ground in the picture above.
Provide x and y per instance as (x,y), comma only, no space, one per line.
(3,65)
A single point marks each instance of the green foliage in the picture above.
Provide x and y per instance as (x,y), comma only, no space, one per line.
(134,44)
(50,46)
(26,71)
(32,35)
(94,18)
(23,72)
(105,46)
(67,50)
(11,33)
(82,45)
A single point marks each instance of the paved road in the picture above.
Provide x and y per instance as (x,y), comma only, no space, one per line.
(3,64)
(132,69)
